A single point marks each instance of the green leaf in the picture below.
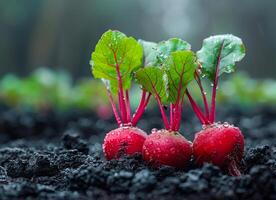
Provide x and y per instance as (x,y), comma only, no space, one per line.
(180,67)
(165,48)
(115,54)
(150,52)
(153,80)
(222,51)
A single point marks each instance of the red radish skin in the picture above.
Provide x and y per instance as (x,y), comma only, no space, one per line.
(167,148)
(220,144)
(123,140)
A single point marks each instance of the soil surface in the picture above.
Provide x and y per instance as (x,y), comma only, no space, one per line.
(54,155)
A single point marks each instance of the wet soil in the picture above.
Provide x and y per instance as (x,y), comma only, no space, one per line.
(58,155)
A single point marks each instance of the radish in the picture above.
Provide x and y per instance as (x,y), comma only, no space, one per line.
(168,82)
(220,144)
(167,147)
(123,140)
(114,61)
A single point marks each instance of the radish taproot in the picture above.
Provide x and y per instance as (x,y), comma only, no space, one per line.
(167,82)
(220,144)
(114,61)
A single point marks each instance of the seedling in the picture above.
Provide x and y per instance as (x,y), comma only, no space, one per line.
(167,81)
(115,59)
(219,143)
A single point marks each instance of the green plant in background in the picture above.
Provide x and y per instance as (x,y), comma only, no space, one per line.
(42,89)
(241,89)
(9,89)
(45,88)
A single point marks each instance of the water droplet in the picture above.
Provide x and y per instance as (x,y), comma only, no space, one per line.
(225,125)
(212,85)
(172,150)
(154,130)
(147,152)
(158,136)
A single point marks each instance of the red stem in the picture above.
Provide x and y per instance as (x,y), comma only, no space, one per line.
(214,92)
(203,93)
(117,117)
(197,109)
(128,107)
(147,100)
(180,114)
(175,116)
(177,126)
(171,116)
(164,117)
(120,107)
(141,111)
(141,108)
(122,104)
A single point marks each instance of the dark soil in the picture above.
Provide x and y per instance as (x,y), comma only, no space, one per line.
(51,155)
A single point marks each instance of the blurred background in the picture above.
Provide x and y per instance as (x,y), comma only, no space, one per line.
(46,86)
(61,34)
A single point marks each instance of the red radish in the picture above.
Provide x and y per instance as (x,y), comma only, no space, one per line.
(167,148)
(168,84)
(114,60)
(220,144)
(124,140)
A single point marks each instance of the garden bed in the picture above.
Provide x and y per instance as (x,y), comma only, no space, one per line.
(58,155)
